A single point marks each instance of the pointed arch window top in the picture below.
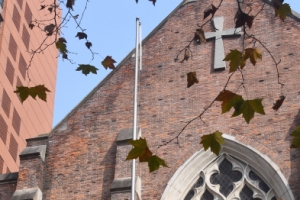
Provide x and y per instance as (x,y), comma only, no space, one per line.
(227,179)
(240,173)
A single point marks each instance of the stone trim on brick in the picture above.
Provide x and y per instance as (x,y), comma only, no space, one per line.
(39,137)
(11,177)
(28,194)
(126,134)
(121,185)
(188,173)
(37,151)
(188,1)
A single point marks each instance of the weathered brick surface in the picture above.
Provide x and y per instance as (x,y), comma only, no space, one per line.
(31,173)
(81,158)
(7,190)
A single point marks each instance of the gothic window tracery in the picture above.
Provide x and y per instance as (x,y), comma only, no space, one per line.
(230,179)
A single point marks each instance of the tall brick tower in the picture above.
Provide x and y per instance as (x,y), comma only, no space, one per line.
(84,157)
(21,121)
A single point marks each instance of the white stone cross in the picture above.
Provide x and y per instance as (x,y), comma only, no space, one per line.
(219,64)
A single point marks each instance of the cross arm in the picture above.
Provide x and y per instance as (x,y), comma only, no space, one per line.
(232,32)
(209,35)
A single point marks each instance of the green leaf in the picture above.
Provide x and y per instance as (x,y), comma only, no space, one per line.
(229,100)
(39,90)
(282,11)
(296,139)
(191,79)
(248,108)
(62,47)
(236,59)
(140,150)
(213,141)
(23,92)
(86,69)
(154,162)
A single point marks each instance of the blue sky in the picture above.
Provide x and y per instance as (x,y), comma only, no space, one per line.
(110,26)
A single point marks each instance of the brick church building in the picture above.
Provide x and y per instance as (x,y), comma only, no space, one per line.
(83,157)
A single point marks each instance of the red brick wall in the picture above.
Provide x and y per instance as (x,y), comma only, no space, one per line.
(31,173)
(7,190)
(81,159)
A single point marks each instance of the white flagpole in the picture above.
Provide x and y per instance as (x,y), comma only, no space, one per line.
(137,54)
(140,46)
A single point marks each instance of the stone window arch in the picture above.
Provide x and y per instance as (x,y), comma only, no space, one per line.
(228,178)
(240,172)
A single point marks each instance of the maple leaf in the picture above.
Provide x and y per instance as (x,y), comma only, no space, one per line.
(153,1)
(253,54)
(65,56)
(108,62)
(191,79)
(62,39)
(31,25)
(278,103)
(229,100)
(282,11)
(209,10)
(39,90)
(86,69)
(242,18)
(186,55)
(50,9)
(81,35)
(140,150)
(277,3)
(199,36)
(248,108)
(42,7)
(88,45)
(296,139)
(213,141)
(154,162)
(62,47)
(70,4)
(23,92)
(236,59)
(49,29)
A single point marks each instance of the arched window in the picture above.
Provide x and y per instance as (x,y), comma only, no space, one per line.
(240,172)
(228,178)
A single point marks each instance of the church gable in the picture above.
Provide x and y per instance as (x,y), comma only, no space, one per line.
(85,154)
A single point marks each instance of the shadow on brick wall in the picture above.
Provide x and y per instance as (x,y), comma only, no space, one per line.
(294,179)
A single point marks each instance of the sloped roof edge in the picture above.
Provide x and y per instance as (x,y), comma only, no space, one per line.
(294,15)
